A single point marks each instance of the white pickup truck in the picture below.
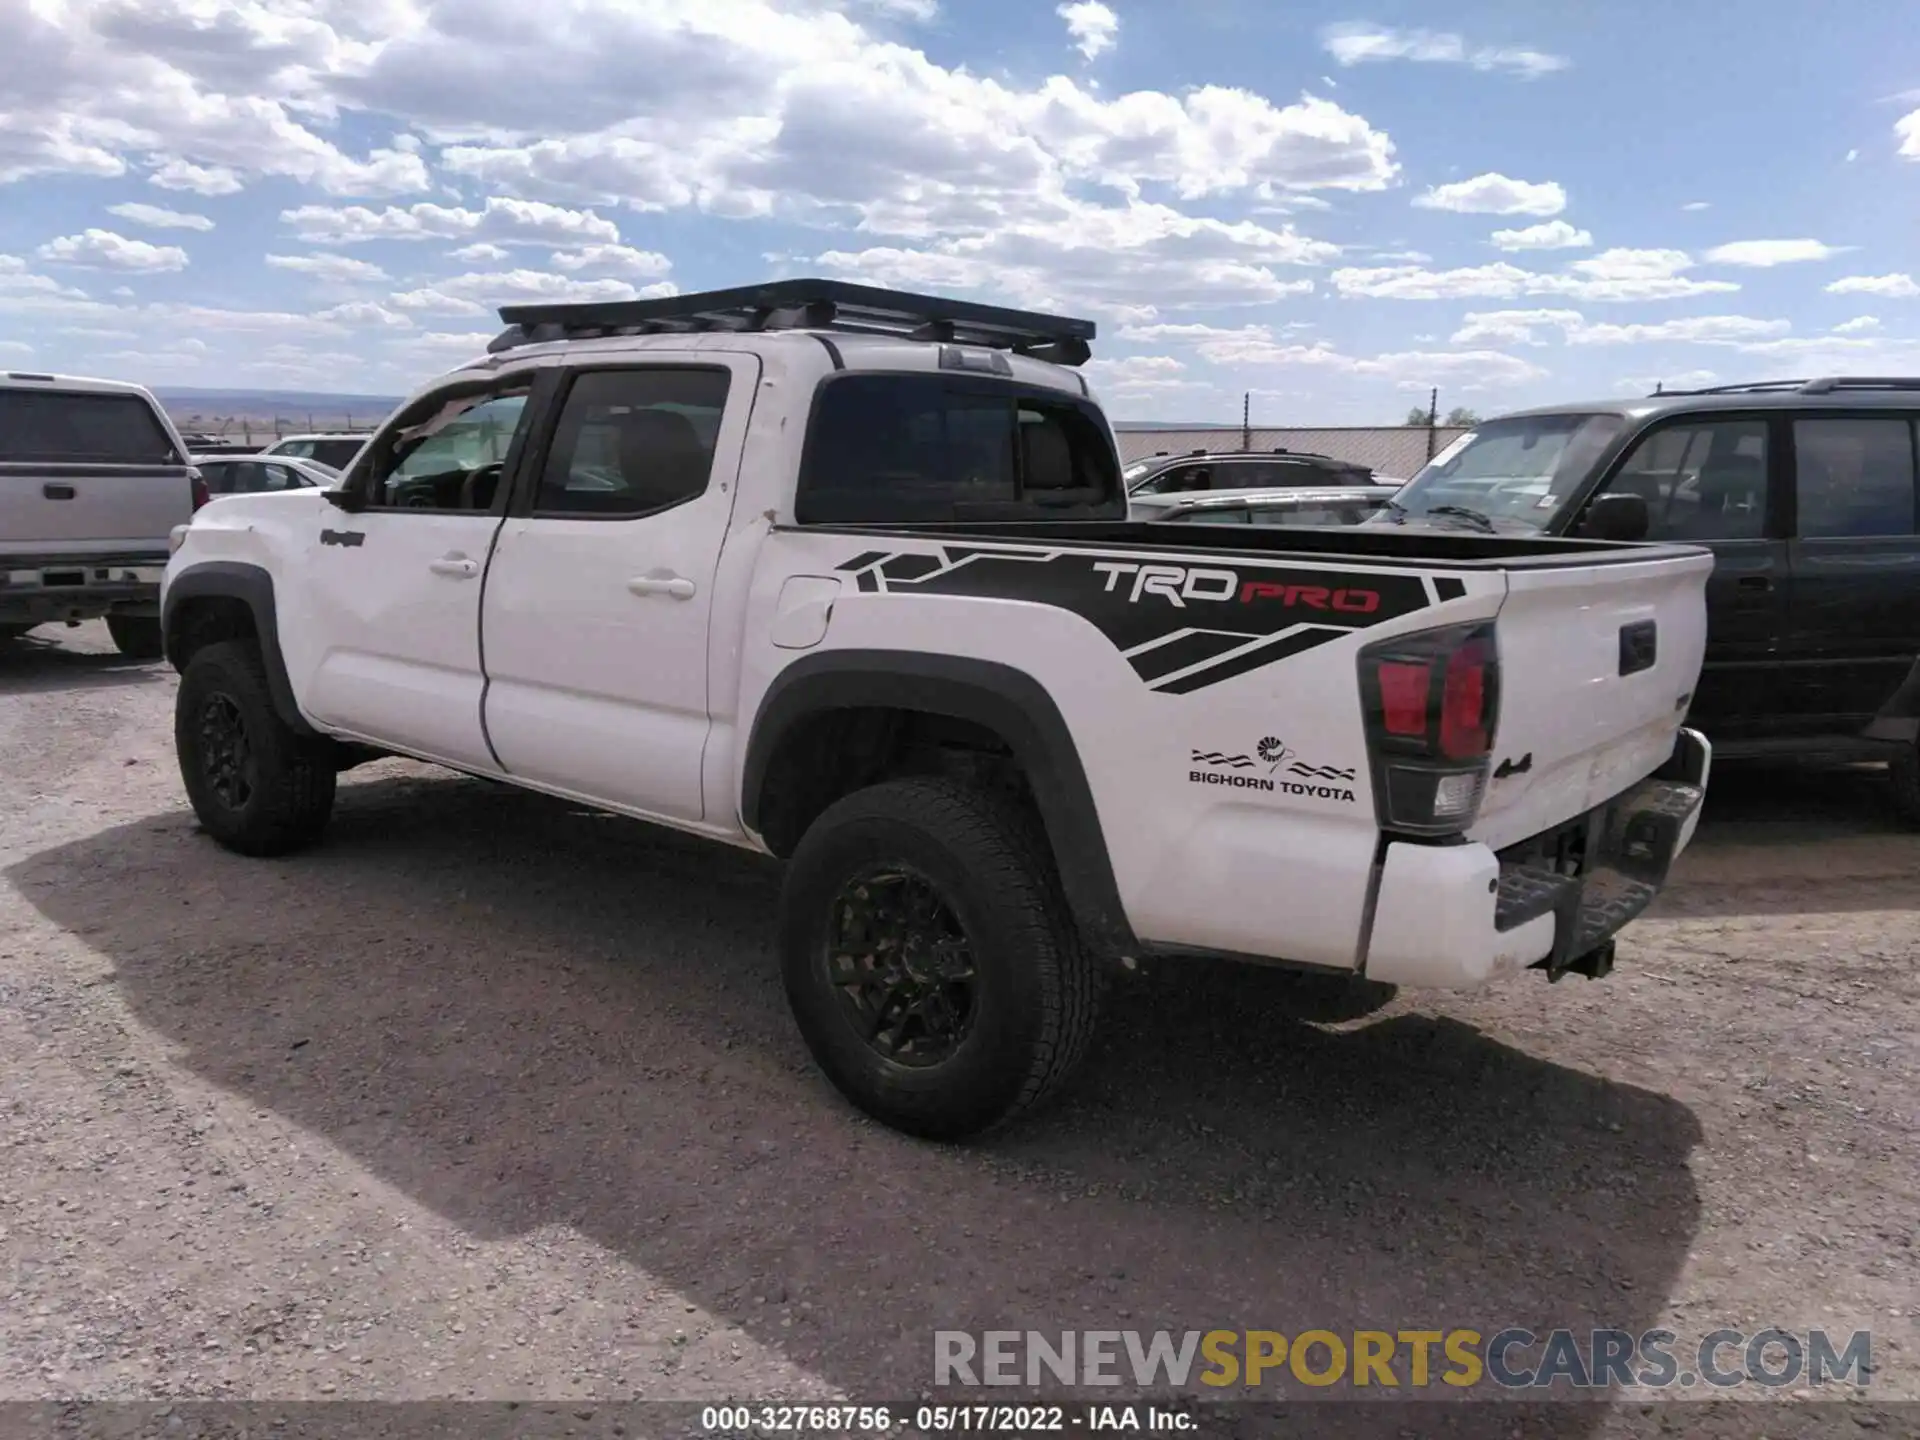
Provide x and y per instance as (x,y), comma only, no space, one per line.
(845,575)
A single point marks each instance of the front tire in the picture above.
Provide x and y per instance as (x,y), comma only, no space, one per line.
(930,960)
(137,637)
(258,788)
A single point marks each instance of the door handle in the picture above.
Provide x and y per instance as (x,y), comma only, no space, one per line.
(57,492)
(678,586)
(1755,582)
(456,566)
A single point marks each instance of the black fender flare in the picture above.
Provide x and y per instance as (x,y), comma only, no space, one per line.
(235,580)
(1007,701)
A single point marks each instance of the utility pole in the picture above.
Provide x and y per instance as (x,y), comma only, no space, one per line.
(1246,420)
(1433,420)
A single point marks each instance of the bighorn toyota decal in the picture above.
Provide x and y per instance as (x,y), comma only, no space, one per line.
(1242,772)
(1181,627)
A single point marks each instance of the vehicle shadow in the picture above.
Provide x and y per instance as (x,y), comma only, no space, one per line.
(1758,803)
(37,663)
(521,1014)
(1781,839)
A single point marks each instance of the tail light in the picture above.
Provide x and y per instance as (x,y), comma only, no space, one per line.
(201,495)
(1430,701)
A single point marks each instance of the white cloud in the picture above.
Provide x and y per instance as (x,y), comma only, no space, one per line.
(1531,327)
(104,250)
(1612,275)
(1257,345)
(328,267)
(484,253)
(1359,43)
(502,220)
(1697,205)
(1495,194)
(1907,131)
(159,217)
(1852,155)
(200,179)
(366,312)
(1891,287)
(429,301)
(1111,259)
(1092,26)
(622,258)
(1693,329)
(1134,376)
(506,287)
(1550,235)
(1513,327)
(1764,254)
(1859,325)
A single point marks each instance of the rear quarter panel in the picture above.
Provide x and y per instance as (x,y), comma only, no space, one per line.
(1214,701)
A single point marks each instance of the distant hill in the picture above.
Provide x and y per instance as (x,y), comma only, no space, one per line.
(255,417)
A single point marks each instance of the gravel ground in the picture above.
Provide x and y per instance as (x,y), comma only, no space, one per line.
(493,1097)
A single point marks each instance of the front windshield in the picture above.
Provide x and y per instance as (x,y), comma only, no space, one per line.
(1134,471)
(1516,471)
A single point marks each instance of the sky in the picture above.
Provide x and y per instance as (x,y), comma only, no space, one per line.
(1335,207)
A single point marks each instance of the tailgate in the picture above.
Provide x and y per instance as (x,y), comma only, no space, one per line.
(53,509)
(1597,665)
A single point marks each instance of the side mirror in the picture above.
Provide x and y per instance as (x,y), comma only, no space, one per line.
(1617,517)
(345,499)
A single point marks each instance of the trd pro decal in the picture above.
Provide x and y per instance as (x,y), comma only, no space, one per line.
(1181,627)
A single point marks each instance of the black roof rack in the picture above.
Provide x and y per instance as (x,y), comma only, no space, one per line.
(1827,385)
(805,305)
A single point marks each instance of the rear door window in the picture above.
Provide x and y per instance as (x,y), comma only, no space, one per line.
(1855,476)
(71,427)
(885,449)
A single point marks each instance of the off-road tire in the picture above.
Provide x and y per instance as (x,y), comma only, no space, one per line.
(1903,779)
(290,796)
(138,637)
(1038,989)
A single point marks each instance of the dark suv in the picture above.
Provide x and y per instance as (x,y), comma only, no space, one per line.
(1239,470)
(1805,491)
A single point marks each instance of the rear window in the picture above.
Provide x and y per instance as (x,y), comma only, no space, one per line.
(901,449)
(337,453)
(55,427)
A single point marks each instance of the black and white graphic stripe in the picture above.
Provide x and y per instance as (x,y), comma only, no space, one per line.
(1229,618)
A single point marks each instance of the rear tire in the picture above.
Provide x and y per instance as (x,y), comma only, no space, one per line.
(137,637)
(884,1008)
(1903,778)
(11,633)
(258,788)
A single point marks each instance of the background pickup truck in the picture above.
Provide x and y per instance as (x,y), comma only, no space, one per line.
(93,477)
(846,576)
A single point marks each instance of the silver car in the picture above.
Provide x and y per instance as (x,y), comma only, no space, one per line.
(1321,505)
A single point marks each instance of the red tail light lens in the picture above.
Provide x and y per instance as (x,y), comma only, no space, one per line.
(1431,701)
(1466,731)
(1403,696)
(201,495)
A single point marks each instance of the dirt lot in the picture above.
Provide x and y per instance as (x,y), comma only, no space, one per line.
(493,1097)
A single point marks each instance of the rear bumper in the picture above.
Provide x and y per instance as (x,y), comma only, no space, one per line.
(38,589)
(1460,915)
